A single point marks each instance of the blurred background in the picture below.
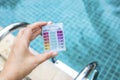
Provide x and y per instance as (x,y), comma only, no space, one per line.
(92,30)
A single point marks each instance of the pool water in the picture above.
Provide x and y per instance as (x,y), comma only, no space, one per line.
(92,30)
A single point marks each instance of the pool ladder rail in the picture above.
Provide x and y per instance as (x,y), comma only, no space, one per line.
(90,72)
(11,28)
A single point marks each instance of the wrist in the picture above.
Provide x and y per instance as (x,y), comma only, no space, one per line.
(4,76)
(9,75)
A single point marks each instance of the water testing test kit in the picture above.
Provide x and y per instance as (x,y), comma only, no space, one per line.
(54,39)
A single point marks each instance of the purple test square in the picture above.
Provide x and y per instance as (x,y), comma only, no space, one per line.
(59,31)
(45,33)
(59,34)
(46,36)
(60,37)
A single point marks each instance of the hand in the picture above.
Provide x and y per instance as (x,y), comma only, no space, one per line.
(21,60)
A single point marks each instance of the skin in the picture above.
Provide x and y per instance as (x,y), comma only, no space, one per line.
(21,60)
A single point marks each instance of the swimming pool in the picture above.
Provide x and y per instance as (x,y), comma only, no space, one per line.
(92,29)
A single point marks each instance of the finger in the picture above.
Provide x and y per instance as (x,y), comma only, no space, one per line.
(38,25)
(27,35)
(14,42)
(36,29)
(21,32)
(43,57)
(35,34)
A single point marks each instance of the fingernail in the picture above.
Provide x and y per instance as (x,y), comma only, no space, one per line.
(55,53)
(49,22)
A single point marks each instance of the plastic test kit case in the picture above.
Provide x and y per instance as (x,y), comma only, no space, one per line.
(53,35)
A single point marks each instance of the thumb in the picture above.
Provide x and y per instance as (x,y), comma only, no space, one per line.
(43,57)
